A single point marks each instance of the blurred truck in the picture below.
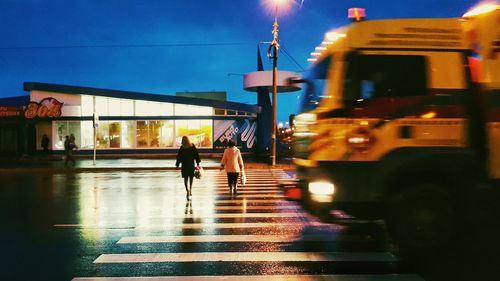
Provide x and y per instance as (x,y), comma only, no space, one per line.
(400,120)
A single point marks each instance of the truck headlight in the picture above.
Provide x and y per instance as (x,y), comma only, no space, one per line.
(321,191)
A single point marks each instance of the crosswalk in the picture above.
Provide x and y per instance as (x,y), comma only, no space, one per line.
(254,235)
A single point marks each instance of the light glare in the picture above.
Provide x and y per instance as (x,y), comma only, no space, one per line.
(279,7)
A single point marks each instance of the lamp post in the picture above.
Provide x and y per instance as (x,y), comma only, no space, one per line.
(274,46)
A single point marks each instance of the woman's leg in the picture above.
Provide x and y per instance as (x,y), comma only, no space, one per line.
(186,187)
(229,181)
(235,186)
(190,185)
(232,179)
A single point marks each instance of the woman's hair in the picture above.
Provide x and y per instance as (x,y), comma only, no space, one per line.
(231,143)
(185,141)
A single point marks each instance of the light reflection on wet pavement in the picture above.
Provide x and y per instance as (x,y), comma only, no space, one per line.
(64,226)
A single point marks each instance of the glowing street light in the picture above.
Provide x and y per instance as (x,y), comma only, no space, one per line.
(277,6)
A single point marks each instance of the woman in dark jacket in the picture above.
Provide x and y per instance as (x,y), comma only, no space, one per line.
(187,155)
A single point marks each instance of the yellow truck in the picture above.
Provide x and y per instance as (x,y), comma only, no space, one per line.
(400,119)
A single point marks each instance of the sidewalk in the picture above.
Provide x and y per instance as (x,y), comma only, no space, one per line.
(55,164)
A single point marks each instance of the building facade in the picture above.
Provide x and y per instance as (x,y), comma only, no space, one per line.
(122,122)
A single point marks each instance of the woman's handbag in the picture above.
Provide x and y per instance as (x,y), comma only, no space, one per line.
(243,178)
(198,172)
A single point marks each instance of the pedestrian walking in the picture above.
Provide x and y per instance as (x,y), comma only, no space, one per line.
(69,146)
(187,156)
(45,143)
(232,162)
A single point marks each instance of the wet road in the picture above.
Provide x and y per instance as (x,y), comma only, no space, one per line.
(139,226)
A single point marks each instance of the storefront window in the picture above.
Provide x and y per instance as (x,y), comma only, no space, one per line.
(66,128)
(127,134)
(142,135)
(102,135)
(87,135)
(115,134)
(198,131)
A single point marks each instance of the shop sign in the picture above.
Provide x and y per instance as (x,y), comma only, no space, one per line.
(242,131)
(10,111)
(48,107)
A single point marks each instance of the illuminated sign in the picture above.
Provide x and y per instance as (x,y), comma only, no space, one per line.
(242,131)
(10,111)
(48,107)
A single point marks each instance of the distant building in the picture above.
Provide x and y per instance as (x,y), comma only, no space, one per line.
(125,122)
(220,96)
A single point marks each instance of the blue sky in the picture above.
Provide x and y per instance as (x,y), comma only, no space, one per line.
(168,46)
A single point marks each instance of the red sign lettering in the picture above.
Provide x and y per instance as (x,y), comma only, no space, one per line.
(48,107)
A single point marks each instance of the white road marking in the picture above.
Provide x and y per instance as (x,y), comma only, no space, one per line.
(239,238)
(350,277)
(248,257)
(227,225)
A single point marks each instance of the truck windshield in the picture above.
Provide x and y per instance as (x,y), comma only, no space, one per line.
(316,85)
(378,76)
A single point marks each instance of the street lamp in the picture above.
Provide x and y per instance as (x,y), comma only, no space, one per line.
(273,53)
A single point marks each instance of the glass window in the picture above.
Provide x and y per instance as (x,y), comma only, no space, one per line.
(87,103)
(114,107)
(379,76)
(166,133)
(115,134)
(154,109)
(190,110)
(199,132)
(127,134)
(102,135)
(87,135)
(127,107)
(219,111)
(66,128)
(167,109)
(101,106)
(316,85)
(61,128)
(142,135)
(231,112)
(141,108)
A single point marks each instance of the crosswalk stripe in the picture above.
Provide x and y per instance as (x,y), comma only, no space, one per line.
(239,238)
(248,257)
(226,225)
(239,215)
(333,277)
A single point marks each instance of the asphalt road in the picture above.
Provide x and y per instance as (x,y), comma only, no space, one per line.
(139,225)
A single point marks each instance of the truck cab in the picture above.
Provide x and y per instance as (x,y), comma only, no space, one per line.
(401,113)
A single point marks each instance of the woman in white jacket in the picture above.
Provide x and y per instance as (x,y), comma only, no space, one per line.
(232,162)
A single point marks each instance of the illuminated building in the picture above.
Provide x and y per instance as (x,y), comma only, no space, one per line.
(125,122)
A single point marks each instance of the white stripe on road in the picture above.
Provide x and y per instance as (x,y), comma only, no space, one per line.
(238,215)
(227,225)
(241,238)
(350,277)
(248,257)
(200,225)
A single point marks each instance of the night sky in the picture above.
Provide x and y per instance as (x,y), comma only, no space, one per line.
(168,46)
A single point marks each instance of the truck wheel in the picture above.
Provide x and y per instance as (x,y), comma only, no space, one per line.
(421,219)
